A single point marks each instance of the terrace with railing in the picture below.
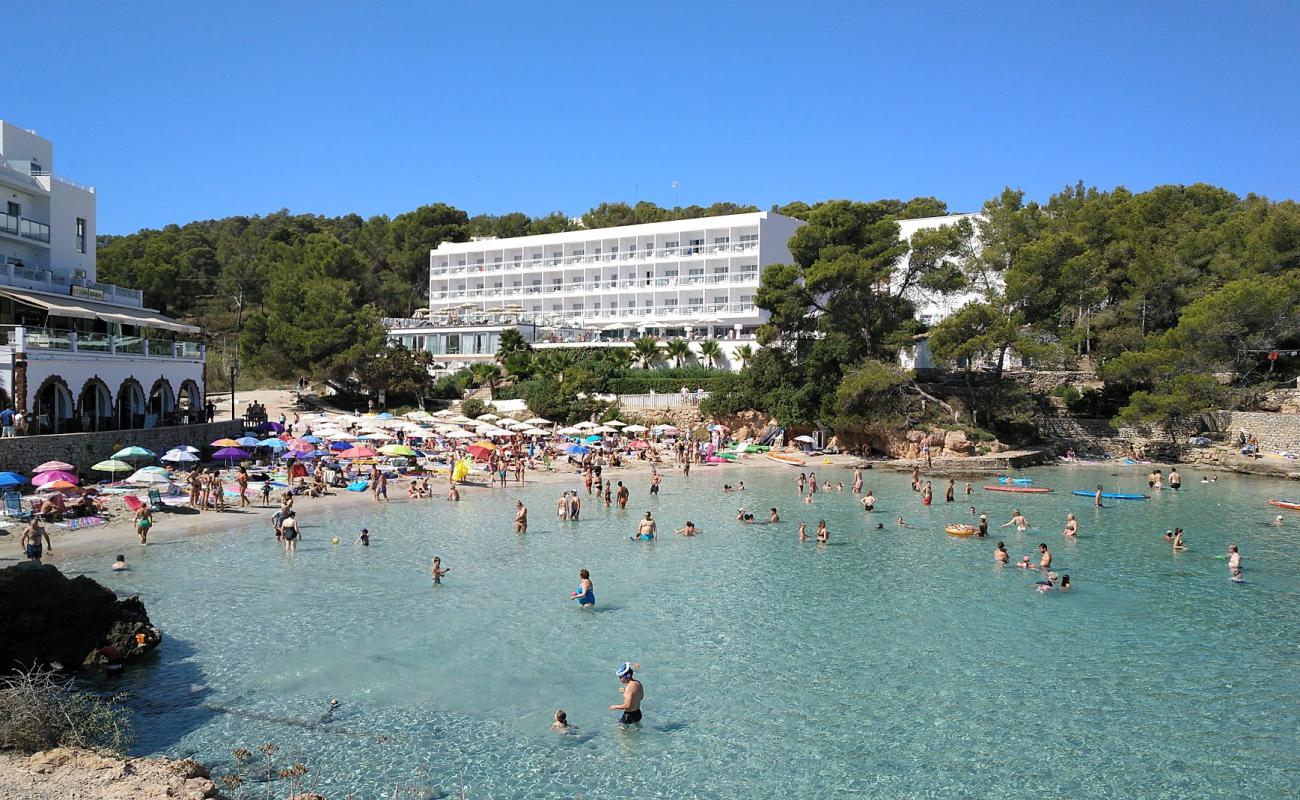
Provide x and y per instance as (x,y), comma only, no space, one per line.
(27,339)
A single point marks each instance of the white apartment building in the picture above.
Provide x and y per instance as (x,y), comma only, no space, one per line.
(691,278)
(77,354)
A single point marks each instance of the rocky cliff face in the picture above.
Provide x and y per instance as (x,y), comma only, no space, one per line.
(49,618)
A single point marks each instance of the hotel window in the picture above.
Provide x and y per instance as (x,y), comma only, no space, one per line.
(719,270)
(15,209)
(81,235)
(696,271)
(695,301)
(557,307)
(721,239)
(630,304)
(577,306)
(696,245)
(671,301)
(670,273)
(496,260)
(719,300)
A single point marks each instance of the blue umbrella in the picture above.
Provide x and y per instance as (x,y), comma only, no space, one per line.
(274,444)
(340,446)
(248,441)
(577,450)
(595,437)
(8,480)
(312,439)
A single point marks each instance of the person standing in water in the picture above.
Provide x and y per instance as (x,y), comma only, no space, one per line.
(633,692)
(1096,497)
(1234,563)
(1175,480)
(586,592)
(562,507)
(437,571)
(823,535)
(622,495)
(1044,563)
(1071,525)
(801,483)
(647,529)
(869,501)
(927,493)
(1001,555)
(521,517)
(857,481)
(950,491)
(803,531)
(289,531)
(1019,521)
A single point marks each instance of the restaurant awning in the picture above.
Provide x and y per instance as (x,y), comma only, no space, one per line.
(86,309)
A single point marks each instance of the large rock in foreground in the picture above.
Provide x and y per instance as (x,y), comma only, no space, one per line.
(49,618)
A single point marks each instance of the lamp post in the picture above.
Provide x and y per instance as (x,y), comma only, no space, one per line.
(234,368)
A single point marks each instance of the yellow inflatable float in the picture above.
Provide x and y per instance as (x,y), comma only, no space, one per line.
(461,469)
(962,530)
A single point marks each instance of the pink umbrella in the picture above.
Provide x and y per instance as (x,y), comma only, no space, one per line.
(50,466)
(54,475)
(357,452)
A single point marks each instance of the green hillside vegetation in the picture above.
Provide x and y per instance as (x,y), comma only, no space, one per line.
(1176,295)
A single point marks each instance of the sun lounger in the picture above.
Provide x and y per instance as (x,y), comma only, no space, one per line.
(14,507)
(133,503)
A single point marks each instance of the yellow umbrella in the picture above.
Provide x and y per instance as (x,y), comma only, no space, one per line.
(225,443)
(485,444)
(397,450)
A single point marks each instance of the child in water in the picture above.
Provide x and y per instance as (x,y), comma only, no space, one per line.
(561,723)
(437,571)
(364,538)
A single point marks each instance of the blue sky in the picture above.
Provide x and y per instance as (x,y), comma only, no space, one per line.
(182,111)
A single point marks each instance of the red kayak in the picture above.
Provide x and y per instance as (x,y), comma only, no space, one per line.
(1284,504)
(1018,489)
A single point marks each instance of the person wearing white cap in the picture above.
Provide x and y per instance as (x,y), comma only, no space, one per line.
(632,694)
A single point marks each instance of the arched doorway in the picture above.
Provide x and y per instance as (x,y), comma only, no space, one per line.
(130,405)
(95,406)
(190,402)
(162,402)
(53,407)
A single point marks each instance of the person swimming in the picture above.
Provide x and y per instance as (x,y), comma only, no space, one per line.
(775,517)
(437,571)
(586,592)
(689,530)
(364,538)
(120,564)
(561,723)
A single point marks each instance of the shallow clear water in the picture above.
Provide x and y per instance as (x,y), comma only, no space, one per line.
(894,663)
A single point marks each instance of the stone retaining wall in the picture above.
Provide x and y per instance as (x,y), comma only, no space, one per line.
(22,453)
(1276,432)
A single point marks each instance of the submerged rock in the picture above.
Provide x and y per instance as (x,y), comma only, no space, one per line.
(53,620)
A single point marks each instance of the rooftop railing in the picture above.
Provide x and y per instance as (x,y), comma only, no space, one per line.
(27,338)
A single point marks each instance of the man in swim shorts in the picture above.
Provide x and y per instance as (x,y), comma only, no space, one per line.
(647,529)
(31,541)
(632,694)
(1044,563)
(521,517)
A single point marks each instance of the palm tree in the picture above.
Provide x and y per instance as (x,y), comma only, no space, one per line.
(518,365)
(553,364)
(485,375)
(645,351)
(678,350)
(619,357)
(511,341)
(711,352)
(744,354)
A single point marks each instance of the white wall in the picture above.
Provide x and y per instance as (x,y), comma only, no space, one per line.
(67,203)
(77,368)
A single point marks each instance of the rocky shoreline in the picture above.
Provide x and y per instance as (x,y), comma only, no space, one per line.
(73,774)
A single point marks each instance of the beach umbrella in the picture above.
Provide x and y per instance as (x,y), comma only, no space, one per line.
(183,448)
(421,414)
(230,454)
(247,441)
(50,466)
(340,436)
(538,421)
(311,439)
(225,443)
(666,428)
(635,429)
(487,417)
(479,452)
(8,480)
(147,476)
(163,470)
(484,443)
(397,450)
(577,450)
(54,475)
(357,452)
(534,432)
(585,424)
(384,415)
(805,438)
(134,452)
(613,423)
(638,444)
(460,435)
(300,455)
(179,456)
(269,427)
(58,486)
(569,431)
(340,446)
(595,437)
(377,437)
(273,443)
(113,465)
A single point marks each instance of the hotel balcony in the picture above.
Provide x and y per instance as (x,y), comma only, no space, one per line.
(29,339)
(583,259)
(24,228)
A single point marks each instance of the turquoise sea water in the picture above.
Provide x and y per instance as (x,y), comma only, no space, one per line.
(890,663)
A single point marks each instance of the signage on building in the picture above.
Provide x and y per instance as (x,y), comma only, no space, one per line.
(87,292)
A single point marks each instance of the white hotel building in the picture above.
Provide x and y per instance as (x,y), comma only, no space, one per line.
(76,354)
(691,278)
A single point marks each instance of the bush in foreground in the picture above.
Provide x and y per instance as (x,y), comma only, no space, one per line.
(40,709)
